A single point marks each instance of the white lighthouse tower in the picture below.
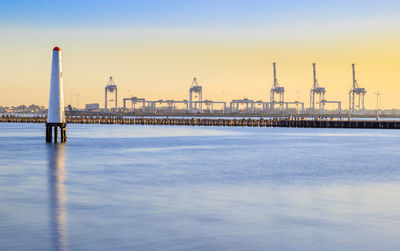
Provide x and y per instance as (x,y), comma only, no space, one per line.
(55,113)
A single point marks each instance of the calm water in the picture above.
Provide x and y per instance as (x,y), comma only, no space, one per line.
(199,188)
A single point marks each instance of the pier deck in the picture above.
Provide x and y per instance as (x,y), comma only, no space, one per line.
(241,122)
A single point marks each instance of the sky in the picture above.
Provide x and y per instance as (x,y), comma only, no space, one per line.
(154,48)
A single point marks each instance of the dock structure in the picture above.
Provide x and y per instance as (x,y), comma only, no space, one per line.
(133,101)
(235,104)
(111,87)
(276,89)
(195,94)
(291,121)
(356,92)
(55,113)
(318,91)
(338,103)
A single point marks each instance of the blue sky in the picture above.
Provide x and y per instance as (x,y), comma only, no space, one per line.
(186,13)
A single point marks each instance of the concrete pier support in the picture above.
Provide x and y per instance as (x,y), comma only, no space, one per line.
(53,127)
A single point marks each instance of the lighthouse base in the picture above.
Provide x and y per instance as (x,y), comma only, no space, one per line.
(53,127)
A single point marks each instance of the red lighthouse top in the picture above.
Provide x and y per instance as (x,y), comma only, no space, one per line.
(56,48)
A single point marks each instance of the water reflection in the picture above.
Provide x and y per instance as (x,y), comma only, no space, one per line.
(57,198)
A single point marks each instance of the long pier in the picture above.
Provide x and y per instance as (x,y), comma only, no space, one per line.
(238,122)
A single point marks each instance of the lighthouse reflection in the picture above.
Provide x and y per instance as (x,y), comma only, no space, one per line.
(57,198)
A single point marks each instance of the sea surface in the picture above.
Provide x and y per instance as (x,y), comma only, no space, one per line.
(124,187)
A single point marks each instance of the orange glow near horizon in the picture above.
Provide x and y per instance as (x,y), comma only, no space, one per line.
(160,66)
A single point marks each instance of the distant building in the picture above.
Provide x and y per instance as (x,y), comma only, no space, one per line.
(37,109)
(92,107)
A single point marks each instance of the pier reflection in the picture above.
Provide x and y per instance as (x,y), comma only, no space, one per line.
(57,197)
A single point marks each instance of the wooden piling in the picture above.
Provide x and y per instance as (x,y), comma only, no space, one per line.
(241,122)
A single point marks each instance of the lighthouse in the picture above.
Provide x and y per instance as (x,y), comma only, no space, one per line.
(55,113)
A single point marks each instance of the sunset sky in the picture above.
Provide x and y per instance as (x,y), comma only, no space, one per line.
(153,49)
